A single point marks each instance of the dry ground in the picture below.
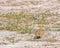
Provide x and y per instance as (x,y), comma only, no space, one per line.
(9,39)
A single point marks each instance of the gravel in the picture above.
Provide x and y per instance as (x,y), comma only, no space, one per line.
(20,40)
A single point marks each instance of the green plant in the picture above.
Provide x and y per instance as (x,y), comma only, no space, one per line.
(26,29)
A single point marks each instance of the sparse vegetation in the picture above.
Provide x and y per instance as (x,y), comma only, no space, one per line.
(21,22)
(29,23)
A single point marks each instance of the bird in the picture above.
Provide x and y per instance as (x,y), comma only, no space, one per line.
(39,33)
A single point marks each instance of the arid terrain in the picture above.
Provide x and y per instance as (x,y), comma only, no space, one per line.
(19,20)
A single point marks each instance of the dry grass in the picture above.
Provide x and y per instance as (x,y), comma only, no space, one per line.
(21,22)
